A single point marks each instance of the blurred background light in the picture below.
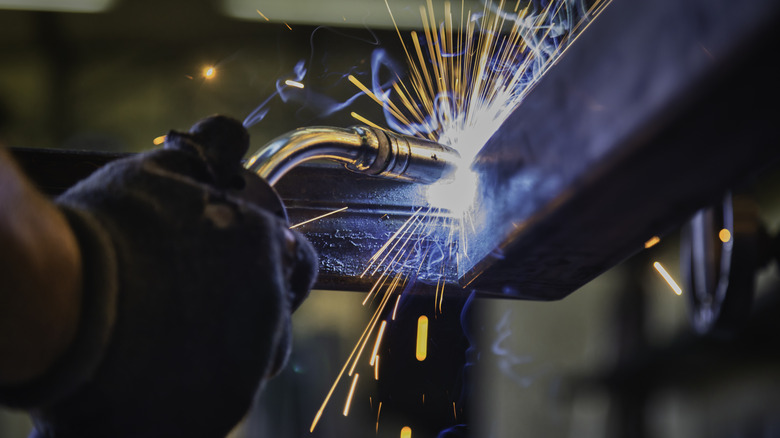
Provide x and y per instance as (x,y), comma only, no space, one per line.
(351,13)
(58,5)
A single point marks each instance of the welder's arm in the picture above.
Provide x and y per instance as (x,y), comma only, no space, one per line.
(40,268)
(189,276)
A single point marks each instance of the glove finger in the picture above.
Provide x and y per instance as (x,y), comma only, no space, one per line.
(304,263)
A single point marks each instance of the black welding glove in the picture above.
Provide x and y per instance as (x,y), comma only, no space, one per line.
(191,276)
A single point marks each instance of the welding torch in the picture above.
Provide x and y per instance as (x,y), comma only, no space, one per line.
(361,149)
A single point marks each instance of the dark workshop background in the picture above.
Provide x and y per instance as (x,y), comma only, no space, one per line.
(118,77)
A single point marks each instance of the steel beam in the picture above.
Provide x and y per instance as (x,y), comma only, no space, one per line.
(653,112)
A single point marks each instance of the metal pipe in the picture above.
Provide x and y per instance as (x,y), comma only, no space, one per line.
(362,149)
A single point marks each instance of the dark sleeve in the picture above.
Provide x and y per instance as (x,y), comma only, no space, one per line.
(98,310)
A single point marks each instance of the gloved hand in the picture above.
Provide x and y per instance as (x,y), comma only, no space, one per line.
(191,276)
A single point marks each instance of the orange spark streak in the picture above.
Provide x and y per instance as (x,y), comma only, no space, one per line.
(379,411)
(365,121)
(411,234)
(262,15)
(390,241)
(377,285)
(373,322)
(422,338)
(452,86)
(351,392)
(378,341)
(288,26)
(366,332)
(318,217)
(376,368)
(159,140)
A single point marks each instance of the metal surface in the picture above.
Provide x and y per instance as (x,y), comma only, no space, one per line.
(655,111)
(345,241)
(362,149)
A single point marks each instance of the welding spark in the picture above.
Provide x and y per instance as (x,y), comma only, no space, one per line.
(422,338)
(209,72)
(466,74)
(466,78)
(364,120)
(652,242)
(262,15)
(378,341)
(669,280)
(319,217)
(292,83)
(378,412)
(351,392)
(159,140)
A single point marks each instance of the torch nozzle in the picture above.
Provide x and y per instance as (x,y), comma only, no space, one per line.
(362,149)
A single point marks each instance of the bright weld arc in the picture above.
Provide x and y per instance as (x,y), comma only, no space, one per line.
(669,280)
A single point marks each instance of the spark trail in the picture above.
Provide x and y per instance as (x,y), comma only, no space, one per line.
(464,76)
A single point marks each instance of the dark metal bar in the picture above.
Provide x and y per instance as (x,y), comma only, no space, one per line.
(377,208)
